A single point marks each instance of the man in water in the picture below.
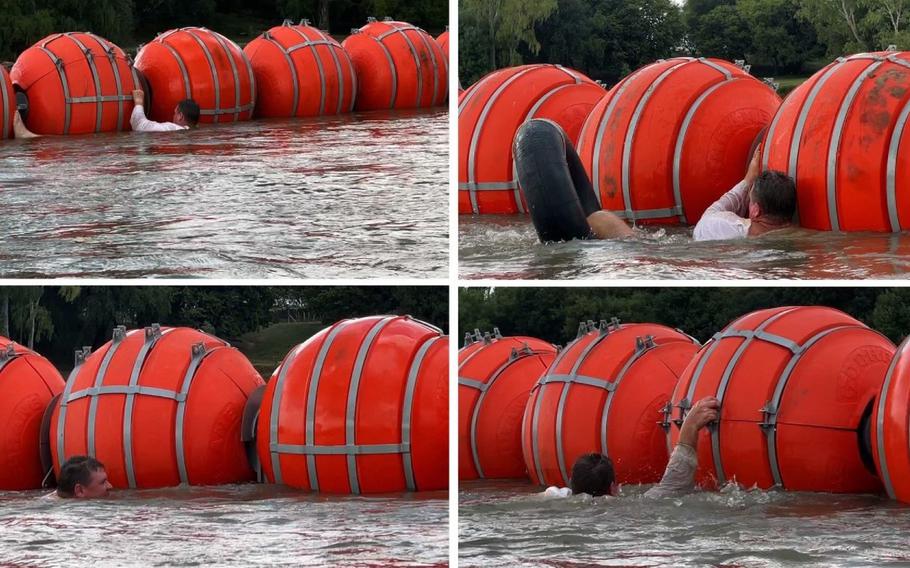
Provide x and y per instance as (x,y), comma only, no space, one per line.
(82,477)
(761,202)
(186,116)
(593,473)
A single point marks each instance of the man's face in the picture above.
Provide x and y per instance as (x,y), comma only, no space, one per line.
(97,486)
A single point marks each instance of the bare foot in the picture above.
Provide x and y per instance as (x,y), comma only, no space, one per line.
(20,130)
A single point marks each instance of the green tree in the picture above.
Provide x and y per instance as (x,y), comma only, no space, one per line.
(781,42)
(722,32)
(506,25)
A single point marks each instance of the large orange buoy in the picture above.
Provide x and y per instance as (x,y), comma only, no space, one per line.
(301,71)
(890,427)
(159,407)
(843,136)
(198,64)
(398,66)
(443,41)
(360,407)
(76,83)
(28,382)
(673,136)
(490,113)
(495,376)
(795,385)
(8,102)
(605,393)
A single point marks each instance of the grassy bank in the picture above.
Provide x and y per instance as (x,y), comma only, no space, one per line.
(267,347)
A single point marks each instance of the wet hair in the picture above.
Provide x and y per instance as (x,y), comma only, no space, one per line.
(775,193)
(190,111)
(592,474)
(77,469)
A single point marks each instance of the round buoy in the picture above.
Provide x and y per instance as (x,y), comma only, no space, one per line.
(159,407)
(198,64)
(495,376)
(443,41)
(28,382)
(360,407)
(398,66)
(605,393)
(840,135)
(674,136)
(890,427)
(490,113)
(76,83)
(301,71)
(8,102)
(794,384)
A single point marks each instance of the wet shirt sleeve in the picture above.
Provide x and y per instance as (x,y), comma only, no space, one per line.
(679,477)
(140,123)
(726,218)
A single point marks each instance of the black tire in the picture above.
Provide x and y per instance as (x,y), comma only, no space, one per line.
(550,176)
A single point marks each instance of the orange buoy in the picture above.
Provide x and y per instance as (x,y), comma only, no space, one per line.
(76,83)
(360,407)
(159,406)
(301,71)
(198,64)
(890,427)
(495,376)
(794,384)
(28,382)
(398,66)
(605,393)
(443,41)
(490,113)
(841,136)
(8,102)
(674,136)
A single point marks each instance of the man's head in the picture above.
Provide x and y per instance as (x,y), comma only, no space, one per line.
(186,113)
(82,477)
(773,197)
(593,474)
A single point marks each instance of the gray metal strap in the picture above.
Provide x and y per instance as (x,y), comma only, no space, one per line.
(408,409)
(764,336)
(232,110)
(61,71)
(67,389)
(392,68)
(638,214)
(630,135)
(350,450)
(95,392)
(720,69)
(276,409)
(152,335)
(804,114)
(229,53)
(891,169)
(608,403)
(99,99)
(577,379)
(771,409)
(489,186)
(198,352)
(681,138)
(425,39)
(307,43)
(474,384)
(316,375)
(834,145)
(119,334)
(111,52)
(725,380)
(883,400)
(90,59)
(334,49)
(403,31)
(353,392)
(295,98)
(214,71)
(187,86)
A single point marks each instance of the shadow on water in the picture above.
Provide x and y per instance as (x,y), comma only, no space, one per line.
(506,247)
(512,523)
(361,195)
(239,525)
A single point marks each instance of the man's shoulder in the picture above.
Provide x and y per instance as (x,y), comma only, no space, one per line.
(720,225)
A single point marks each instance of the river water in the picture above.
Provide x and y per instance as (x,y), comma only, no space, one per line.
(509,524)
(506,247)
(363,195)
(241,525)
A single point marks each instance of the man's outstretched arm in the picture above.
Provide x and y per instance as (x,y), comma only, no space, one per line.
(679,477)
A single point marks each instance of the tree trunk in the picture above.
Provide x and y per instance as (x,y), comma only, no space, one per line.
(324,15)
(850,16)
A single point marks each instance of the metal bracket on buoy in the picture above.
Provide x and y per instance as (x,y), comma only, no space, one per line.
(82,354)
(197,349)
(768,411)
(355,31)
(388,19)
(642,344)
(7,354)
(304,21)
(287,22)
(119,333)
(892,47)
(667,411)
(370,19)
(153,330)
(771,83)
(683,406)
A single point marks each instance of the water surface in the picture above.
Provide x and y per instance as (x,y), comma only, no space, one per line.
(509,524)
(506,247)
(241,525)
(354,196)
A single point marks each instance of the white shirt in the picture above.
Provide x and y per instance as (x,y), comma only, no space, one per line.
(140,123)
(726,218)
